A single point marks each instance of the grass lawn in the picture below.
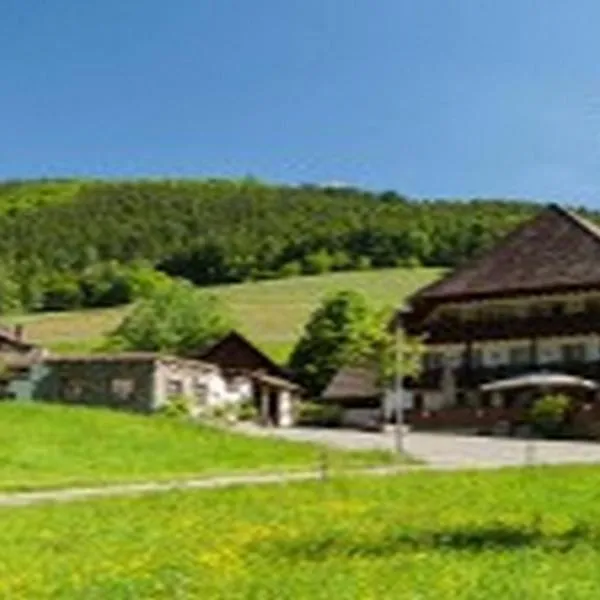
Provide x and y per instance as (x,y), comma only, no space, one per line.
(518,533)
(271,313)
(58,446)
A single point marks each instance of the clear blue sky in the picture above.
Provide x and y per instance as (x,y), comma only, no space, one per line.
(453,98)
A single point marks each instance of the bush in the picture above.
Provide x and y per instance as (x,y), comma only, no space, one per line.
(61,292)
(319,415)
(548,414)
(247,411)
(177,407)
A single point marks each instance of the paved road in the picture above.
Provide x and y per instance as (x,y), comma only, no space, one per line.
(445,450)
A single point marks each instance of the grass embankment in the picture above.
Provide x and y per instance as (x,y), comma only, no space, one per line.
(530,533)
(271,313)
(45,446)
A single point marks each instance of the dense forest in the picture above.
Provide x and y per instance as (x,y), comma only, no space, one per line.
(67,243)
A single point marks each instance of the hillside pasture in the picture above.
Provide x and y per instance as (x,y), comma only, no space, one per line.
(271,313)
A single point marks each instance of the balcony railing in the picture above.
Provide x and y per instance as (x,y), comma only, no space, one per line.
(452,329)
(473,376)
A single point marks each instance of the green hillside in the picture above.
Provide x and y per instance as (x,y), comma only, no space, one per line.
(56,237)
(271,313)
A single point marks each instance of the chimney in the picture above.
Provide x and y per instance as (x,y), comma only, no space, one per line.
(18,332)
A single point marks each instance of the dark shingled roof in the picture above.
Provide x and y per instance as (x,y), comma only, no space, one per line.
(556,250)
(353,382)
(234,351)
(12,338)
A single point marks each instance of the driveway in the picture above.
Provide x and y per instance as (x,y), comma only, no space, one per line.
(446,450)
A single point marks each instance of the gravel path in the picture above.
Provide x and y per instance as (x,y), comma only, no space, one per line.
(439,451)
(11,499)
(444,450)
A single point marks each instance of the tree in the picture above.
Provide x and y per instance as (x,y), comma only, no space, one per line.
(175,318)
(344,329)
(9,293)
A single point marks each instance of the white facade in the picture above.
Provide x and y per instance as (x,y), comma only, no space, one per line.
(205,385)
(286,415)
(390,398)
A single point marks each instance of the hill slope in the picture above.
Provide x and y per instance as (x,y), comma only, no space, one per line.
(226,231)
(271,313)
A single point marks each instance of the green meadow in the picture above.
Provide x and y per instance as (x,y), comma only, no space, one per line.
(47,446)
(514,533)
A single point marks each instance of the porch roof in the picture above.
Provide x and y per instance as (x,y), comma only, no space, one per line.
(541,380)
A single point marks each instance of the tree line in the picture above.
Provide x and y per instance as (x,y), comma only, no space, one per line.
(58,235)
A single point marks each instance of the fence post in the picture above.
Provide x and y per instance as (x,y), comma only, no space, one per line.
(324,464)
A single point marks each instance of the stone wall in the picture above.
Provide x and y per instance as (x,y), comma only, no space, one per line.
(118,384)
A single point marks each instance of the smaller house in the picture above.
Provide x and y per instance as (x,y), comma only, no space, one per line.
(141,381)
(357,391)
(20,363)
(272,389)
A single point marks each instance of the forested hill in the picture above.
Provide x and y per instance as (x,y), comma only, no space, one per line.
(215,231)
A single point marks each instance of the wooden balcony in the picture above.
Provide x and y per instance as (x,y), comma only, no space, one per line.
(470,377)
(453,330)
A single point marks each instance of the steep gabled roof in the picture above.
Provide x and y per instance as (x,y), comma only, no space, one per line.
(12,338)
(353,382)
(556,250)
(236,352)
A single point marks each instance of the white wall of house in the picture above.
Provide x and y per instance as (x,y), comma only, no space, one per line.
(286,416)
(205,385)
(389,401)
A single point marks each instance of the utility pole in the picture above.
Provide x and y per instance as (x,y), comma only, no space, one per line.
(398,388)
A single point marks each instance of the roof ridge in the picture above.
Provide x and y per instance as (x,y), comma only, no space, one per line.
(584,224)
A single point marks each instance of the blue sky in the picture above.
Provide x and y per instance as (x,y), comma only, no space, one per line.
(452,98)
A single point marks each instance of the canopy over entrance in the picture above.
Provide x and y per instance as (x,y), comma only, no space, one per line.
(540,380)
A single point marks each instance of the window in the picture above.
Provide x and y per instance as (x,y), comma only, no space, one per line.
(71,389)
(200,392)
(122,388)
(519,355)
(174,387)
(418,402)
(433,360)
(476,357)
(496,357)
(461,399)
(573,352)
(232,385)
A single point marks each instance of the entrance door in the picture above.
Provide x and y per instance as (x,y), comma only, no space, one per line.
(273,415)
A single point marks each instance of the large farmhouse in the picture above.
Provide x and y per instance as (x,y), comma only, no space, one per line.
(521,319)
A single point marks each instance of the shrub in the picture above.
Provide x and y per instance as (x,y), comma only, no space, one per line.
(548,414)
(177,407)
(61,292)
(290,269)
(320,415)
(247,411)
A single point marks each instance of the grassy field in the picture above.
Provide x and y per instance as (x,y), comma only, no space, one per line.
(271,313)
(58,446)
(529,533)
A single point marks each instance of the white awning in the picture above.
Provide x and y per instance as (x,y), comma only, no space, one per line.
(541,380)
